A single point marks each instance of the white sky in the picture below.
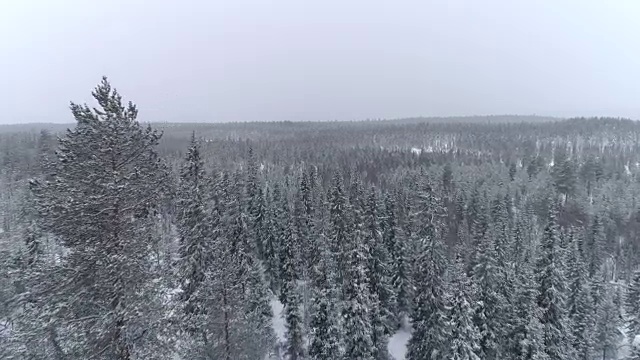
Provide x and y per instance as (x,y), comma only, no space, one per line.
(240,60)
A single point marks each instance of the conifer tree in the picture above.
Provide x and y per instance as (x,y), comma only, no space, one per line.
(340,228)
(290,295)
(272,240)
(464,333)
(357,309)
(235,285)
(551,287)
(255,205)
(379,279)
(400,272)
(478,223)
(595,240)
(195,236)
(325,333)
(431,335)
(632,307)
(101,204)
(526,334)
(358,300)
(607,334)
(489,312)
(579,303)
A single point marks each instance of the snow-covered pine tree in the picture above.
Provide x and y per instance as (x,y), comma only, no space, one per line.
(478,223)
(632,307)
(101,204)
(194,228)
(500,231)
(607,333)
(399,260)
(379,277)
(258,221)
(258,330)
(526,342)
(490,303)
(431,336)
(234,284)
(326,334)
(273,238)
(255,205)
(595,241)
(464,333)
(358,304)
(339,226)
(563,173)
(221,286)
(579,302)
(551,288)
(290,295)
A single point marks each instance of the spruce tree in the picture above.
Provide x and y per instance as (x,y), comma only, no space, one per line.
(358,300)
(255,205)
(526,341)
(431,336)
(325,323)
(551,287)
(339,226)
(489,313)
(379,279)
(464,333)
(607,334)
(290,297)
(632,307)
(273,238)
(195,238)
(399,256)
(579,303)
(594,244)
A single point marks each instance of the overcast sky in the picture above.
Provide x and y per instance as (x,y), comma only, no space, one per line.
(236,60)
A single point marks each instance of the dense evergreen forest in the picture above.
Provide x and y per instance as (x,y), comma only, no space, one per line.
(475,238)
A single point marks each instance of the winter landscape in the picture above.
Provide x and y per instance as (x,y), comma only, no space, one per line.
(319,180)
(469,238)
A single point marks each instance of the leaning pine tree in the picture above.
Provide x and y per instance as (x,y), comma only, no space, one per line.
(101,204)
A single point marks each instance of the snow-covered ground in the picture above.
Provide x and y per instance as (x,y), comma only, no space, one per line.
(278,319)
(397,343)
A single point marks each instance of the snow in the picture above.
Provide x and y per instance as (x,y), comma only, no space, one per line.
(398,342)
(278,319)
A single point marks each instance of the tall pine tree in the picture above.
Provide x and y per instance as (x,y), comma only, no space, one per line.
(101,204)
